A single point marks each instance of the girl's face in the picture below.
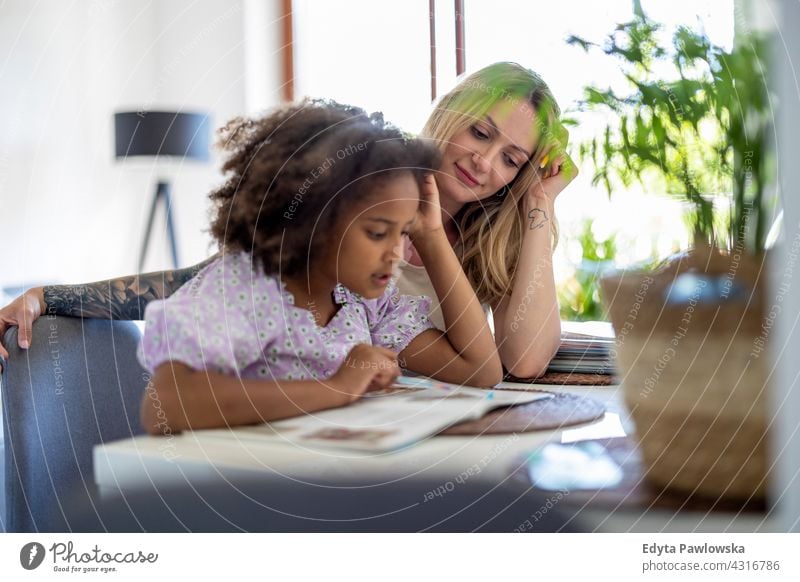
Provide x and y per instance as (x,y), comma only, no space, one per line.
(487,155)
(371,237)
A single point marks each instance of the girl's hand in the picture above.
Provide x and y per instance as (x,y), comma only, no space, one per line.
(365,368)
(558,168)
(429,215)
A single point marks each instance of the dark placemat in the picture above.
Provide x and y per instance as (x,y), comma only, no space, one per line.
(567,378)
(559,411)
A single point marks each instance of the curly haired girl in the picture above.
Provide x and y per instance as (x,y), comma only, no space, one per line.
(299,311)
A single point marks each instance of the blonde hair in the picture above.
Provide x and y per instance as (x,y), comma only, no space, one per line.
(492,229)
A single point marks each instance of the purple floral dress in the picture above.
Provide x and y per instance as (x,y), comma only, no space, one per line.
(233,319)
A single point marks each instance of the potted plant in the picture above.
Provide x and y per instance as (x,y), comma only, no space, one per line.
(692,334)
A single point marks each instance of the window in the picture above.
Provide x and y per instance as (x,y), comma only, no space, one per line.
(376,54)
(370,53)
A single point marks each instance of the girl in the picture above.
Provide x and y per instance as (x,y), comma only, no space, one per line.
(299,312)
(502,167)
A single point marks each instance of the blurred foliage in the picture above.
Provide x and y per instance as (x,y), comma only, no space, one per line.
(699,130)
(579,296)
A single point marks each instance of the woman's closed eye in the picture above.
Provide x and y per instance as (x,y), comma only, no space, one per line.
(479,133)
(511,162)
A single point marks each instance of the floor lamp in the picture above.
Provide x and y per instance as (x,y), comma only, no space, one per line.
(158,134)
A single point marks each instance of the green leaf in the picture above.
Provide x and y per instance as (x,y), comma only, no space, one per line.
(576,40)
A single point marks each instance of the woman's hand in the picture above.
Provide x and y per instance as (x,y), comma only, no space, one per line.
(23,311)
(558,169)
(429,215)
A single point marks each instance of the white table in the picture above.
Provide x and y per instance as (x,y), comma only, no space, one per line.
(124,466)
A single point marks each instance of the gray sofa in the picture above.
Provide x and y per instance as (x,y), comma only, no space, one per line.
(78,385)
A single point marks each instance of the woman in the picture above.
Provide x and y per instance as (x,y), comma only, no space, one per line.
(503,164)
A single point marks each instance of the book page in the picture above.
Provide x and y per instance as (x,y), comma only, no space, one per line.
(391,419)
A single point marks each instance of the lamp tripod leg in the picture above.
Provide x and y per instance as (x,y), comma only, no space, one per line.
(173,243)
(162,193)
(149,228)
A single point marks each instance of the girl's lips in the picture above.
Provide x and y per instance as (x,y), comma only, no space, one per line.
(465,176)
(381,280)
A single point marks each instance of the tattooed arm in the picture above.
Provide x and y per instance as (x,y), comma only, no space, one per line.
(121,298)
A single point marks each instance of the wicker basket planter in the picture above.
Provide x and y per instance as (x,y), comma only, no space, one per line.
(691,347)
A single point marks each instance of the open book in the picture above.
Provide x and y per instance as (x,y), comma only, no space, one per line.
(386,420)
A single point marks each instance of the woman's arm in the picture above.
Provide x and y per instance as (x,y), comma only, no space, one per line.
(180,398)
(466,352)
(120,298)
(527,323)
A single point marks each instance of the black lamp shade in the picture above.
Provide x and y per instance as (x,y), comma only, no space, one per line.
(162,133)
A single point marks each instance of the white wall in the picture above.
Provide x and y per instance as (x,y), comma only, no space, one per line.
(69,212)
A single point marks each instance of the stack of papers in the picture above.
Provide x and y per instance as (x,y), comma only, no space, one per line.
(586,348)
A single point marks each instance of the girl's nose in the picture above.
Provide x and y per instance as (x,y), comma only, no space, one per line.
(396,251)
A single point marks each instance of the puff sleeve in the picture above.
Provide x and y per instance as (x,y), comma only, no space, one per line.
(211,322)
(395,319)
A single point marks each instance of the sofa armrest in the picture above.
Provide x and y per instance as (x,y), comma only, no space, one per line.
(77,386)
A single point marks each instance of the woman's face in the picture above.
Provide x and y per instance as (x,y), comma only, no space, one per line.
(487,155)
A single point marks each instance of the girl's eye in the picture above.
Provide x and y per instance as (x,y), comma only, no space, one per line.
(511,162)
(479,133)
(376,235)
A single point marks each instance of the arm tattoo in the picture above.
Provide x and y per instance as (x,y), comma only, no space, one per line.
(538,218)
(121,298)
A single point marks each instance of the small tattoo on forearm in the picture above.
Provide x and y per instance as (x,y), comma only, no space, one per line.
(538,218)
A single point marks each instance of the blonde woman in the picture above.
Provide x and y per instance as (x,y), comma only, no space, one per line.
(503,164)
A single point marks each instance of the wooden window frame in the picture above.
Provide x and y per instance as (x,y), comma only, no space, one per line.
(287,47)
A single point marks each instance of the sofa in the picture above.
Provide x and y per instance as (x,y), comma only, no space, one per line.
(80,384)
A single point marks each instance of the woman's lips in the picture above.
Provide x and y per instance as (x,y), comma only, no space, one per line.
(465,176)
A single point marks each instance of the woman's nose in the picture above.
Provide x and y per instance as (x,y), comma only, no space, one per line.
(481,163)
